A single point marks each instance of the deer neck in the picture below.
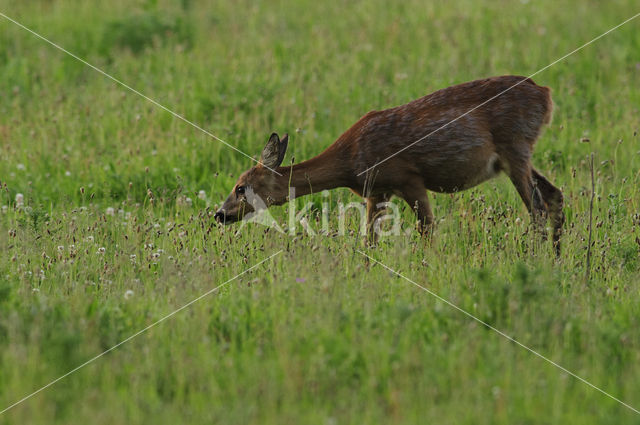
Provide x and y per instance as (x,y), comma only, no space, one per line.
(328,170)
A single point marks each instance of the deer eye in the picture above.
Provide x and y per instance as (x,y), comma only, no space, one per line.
(240,190)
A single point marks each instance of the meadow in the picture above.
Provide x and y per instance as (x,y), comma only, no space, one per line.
(106,219)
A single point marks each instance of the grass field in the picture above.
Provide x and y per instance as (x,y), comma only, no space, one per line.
(106,242)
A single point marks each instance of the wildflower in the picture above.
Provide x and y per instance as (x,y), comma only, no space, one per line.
(4,209)
(19,199)
(67,173)
(110,211)
(132,257)
(202,195)
(155,255)
(128,294)
(300,279)
(101,250)
(188,201)
(20,167)
(60,248)
(90,238)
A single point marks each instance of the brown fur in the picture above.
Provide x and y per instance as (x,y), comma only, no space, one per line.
(497,136)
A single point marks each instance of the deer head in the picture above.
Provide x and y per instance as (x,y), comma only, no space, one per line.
(259,187)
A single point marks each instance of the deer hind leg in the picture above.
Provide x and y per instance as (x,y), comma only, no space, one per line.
(522,179)
(375,208)
(554,202)
(418,200)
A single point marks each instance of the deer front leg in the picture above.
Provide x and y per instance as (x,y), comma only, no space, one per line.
(376,206)
(418,200)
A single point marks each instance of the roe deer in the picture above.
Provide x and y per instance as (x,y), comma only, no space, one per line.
(478,145)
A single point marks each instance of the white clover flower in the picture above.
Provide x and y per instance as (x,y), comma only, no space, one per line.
(128,294)
(89,238)
(19,199)
(20,167)
(110,211)
(60,248)
(188,201)
(155,255)
(101,250)
(67,173)
(202,195)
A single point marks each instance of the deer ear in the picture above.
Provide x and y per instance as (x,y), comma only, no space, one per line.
(273,152)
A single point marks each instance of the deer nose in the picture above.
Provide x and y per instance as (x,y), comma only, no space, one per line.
(219,216)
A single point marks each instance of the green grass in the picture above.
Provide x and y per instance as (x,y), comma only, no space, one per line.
(317,334)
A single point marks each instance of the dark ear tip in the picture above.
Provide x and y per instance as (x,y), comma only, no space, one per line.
(274,135)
